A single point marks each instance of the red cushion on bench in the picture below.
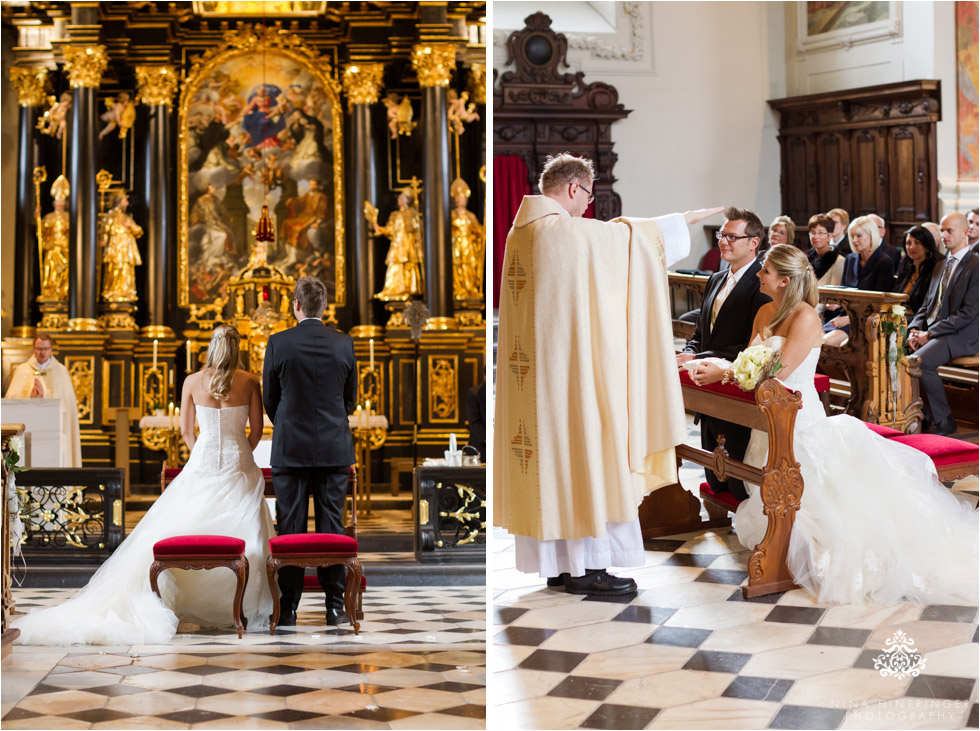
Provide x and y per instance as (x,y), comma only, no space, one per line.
(312,583)
(217,546)
(724,389)
(821,382)
(267,473)
(884,431)
(170,474)
(727,498)
(313,543)
(943,451)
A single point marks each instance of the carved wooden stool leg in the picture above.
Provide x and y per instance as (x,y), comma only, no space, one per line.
(155,568)
(351,591)
(240,567)
(271,567)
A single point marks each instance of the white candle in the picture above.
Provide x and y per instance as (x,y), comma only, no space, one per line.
(170,377)
(371,345)
(155,343)
(452,442)
(189,356)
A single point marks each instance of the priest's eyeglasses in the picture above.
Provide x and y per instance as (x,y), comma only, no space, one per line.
(731,237)
(591,194)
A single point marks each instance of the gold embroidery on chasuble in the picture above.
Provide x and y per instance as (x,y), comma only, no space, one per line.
(519,363)
(516,278)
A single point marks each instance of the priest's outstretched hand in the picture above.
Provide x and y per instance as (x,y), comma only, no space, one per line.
(701,214)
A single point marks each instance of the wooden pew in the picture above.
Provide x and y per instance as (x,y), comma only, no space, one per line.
(672,509)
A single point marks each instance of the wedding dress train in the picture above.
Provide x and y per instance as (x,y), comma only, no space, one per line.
(875,525)
(219,492)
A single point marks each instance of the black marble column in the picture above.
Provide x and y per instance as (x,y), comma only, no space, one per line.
(159,226)
(83,260)
(435,203)
(25,240)
(364,189)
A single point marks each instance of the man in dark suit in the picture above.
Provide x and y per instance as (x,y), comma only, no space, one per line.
(731,301)
(310,383)
(476,417)
(945,327)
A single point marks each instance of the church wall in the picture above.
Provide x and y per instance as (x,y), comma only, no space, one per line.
(701,133)
(8,193)
(918,42)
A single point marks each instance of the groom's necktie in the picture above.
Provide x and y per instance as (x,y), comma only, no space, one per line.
(941,291)
(722,296)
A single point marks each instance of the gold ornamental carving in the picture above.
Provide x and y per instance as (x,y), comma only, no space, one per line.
(82,375)
(85,65)
(400,114)
(120,253)
(443,388)
(459,111)
(362,83)
(468,243)
(403,275)
(53,238)
(477,83)
(252,42)
(434,64)
(156,85)
(30,84)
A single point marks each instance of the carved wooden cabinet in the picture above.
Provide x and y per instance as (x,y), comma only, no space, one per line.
(869,150)
(538,111)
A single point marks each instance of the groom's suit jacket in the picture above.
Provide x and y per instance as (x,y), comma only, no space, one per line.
(309,386)
(733,325)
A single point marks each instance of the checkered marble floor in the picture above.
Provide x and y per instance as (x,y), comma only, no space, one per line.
(687,651)
(419,662)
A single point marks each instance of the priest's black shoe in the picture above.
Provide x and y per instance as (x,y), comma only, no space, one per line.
(597,582)
(287,618)
(945,427)
(335,616)
(555,582)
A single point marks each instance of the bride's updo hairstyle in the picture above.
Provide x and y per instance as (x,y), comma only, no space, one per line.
(223,359)
(788,261)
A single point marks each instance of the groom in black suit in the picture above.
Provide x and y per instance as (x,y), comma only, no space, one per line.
(309,384)
(731,301)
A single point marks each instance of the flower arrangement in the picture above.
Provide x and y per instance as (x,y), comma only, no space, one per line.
(752,366)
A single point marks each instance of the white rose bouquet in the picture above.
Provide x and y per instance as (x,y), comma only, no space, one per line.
(753,365)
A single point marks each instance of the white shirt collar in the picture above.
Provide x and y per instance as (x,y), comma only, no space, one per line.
(736,275)
(310,318)
(958,256)
(43,366)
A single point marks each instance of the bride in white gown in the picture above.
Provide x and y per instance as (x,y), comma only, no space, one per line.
(875,525)
(219,492)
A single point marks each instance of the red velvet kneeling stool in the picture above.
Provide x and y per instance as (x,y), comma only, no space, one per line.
(315,550)
(953,458)
(204,552)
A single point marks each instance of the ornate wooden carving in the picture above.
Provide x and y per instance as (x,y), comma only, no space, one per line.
(539,111)
(318,560)
(868,150)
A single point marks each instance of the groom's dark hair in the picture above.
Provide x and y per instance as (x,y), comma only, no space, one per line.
(311,296)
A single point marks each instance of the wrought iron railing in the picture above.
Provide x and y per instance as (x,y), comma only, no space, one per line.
(450,514)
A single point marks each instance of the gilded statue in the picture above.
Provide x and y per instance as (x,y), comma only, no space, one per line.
(403,276)
(120,112)
(53,239)
(399,115)
(54,121)
(469,244)
(120,254)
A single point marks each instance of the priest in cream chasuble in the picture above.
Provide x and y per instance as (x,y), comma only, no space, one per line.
(588,401)
(42,376)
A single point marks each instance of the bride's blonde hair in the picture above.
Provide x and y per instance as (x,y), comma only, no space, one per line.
(223,360)
(788,261)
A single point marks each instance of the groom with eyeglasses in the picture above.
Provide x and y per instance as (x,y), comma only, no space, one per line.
(731,301)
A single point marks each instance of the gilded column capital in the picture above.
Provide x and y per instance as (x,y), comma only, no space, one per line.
(85,65)
(30,84)
(362,83)
(434,63)
(478,82)
(156,85)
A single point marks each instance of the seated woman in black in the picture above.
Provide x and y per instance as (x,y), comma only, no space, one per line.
(868,268)
(915,271)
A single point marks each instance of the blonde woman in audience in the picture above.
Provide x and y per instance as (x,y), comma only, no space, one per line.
(782,230)
(875,524)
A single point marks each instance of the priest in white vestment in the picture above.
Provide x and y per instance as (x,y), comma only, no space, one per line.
(588,400)
(42,376)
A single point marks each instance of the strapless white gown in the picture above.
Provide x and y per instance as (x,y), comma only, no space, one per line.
(875,525)
(219,492)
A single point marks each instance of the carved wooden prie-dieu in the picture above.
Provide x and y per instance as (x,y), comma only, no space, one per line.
(539,111)
(868,150)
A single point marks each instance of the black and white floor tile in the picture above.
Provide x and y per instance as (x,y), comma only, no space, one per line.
(687,651)
(419,662)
